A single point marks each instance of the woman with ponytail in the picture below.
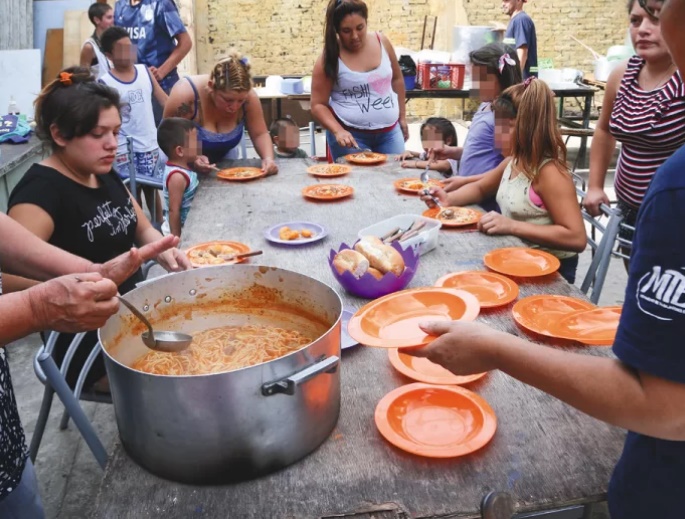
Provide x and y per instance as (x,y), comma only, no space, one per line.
(357,85)
(222,104)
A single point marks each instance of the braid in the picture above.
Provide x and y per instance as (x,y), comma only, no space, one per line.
(232,73)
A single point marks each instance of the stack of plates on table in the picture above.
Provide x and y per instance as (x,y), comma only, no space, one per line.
(568,318)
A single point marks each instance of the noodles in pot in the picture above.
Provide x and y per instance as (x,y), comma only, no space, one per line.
(225,349)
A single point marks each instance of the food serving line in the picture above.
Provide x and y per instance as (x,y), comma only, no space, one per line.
(545,453)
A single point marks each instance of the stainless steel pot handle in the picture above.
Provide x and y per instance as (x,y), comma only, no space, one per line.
(287,385)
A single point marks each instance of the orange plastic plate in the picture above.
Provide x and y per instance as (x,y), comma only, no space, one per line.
(365,159)
(329,170)
(200,255)
(541,314)
(393,321)
(424,370)
(327,191)
(596,327)
(414,186)
(521,262)
(435,421)
(240,174)
(490,289)
(465,216)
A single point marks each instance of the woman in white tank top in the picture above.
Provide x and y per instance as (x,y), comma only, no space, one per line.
(357,85)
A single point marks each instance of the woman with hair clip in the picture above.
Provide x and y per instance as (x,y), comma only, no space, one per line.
(357,85)
(495,67)
(222,104)
(74,200)
(532,186)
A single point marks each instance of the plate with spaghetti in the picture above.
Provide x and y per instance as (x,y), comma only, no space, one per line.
(453,216)
(366,159)
(214,253)
(414,186)
(241,174)
(327,191)
(329,170)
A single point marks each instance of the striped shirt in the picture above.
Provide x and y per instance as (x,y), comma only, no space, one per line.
(649,125)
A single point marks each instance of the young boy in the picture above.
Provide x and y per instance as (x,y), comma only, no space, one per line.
(136,87)
(177,137)
(92,55)
(285,135)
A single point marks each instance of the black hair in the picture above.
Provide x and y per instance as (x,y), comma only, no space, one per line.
(110,37)
(444,127)
(98,10)
(73,102)
(335,12)
(279,124)
(489,56)
(173,132)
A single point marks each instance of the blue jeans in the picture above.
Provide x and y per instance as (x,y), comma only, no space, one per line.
(24,501)
(389,143)
(568,267)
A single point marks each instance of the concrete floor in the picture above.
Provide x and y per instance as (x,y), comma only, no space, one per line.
(68,474)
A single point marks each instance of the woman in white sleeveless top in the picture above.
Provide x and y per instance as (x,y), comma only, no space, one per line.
(92,56)
(357,85)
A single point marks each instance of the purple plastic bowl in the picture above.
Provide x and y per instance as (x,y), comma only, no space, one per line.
(368,286)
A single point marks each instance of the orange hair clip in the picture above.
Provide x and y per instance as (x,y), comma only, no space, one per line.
(65,78)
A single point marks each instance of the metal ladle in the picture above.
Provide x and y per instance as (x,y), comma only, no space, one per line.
(168,342)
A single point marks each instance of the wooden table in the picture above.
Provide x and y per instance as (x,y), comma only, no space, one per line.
(545,453)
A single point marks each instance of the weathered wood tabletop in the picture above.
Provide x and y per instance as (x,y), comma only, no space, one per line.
(544,452)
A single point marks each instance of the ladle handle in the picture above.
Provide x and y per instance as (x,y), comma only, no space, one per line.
(137,313)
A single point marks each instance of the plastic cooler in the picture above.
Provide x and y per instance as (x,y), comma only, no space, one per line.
(426,240)
(439,76)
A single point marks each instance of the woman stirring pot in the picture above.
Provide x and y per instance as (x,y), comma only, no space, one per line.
(357,85)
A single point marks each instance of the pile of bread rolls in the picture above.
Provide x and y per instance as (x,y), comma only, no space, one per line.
(370,255)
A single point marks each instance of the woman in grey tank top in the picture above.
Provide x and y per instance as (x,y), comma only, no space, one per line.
(357,85)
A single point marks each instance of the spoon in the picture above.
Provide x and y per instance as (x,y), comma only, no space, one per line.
(365,151)
(161,341)
(231,257)
(424,179)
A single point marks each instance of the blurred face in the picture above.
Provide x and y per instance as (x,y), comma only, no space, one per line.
(192,148)
(504,134)
(228,102)
(509,7)
(106,21)
(671,17)
(486,84)
(352,32)
(124,53)
(289,138)
(645,33)
(431,138)
(94,152)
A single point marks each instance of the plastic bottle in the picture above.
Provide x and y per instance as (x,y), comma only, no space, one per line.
(13,108)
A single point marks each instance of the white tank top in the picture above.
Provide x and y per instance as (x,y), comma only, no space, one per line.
(137,119)
(365,100)
(513,198)
(102,66)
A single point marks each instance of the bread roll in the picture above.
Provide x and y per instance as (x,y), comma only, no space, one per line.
(351,260)
(382,257)
(375,273)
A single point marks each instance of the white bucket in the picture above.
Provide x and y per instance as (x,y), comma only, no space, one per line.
(603,68)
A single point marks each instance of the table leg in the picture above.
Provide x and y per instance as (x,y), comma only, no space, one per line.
(581,160)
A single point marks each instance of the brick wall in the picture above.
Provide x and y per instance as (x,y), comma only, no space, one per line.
(286,36)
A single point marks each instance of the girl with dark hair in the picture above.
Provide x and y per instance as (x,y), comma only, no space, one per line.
(435,132)
(74,199)
(532,186)
(357,85)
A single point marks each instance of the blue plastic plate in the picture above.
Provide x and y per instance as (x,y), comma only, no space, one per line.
(346,341)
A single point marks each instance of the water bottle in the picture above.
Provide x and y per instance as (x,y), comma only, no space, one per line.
(13,108)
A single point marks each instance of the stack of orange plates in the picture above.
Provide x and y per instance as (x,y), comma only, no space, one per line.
(423,370)
(393,321)
(490,289)
(435,421)
(541,314)
(521,262)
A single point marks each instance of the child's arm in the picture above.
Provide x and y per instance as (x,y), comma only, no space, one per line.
(476,192)
(567,232)
(442,166)
(176,184)
(408,154)
(454,183)
(157,91)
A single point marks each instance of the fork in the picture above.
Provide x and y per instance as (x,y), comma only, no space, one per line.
(366,151)
(426,186)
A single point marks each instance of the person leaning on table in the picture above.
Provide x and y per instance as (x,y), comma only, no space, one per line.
(644,389)
(81,299)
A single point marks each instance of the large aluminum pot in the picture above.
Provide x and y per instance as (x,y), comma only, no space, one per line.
(234,425)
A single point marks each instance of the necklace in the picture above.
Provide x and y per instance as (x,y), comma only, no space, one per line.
(661,80)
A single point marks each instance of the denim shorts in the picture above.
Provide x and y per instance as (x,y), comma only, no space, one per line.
(145,164)
(389,143)
(24,501)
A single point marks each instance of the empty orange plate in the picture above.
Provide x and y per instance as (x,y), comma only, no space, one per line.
(435,421)
(329,170)
(489,288)
(521,262)
(541,314)
(393,321)
(460,216)
(426,371)
(327,191)
(240,174)
(596,327)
